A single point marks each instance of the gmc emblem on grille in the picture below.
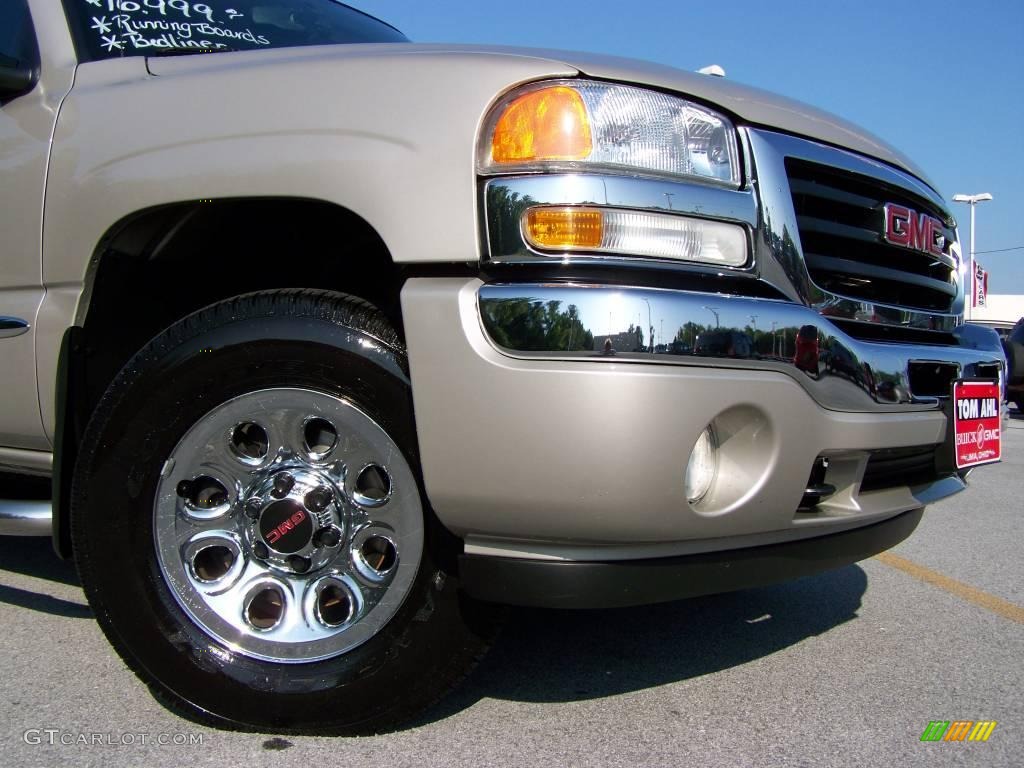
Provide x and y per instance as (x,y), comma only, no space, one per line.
(907,228)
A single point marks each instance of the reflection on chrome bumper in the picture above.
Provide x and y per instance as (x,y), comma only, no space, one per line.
(24,518)
(607,323)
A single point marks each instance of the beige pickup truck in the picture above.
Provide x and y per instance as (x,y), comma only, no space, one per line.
(332,343)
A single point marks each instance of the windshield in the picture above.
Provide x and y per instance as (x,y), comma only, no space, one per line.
(105,29)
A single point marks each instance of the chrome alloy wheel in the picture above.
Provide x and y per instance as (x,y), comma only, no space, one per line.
(288,525)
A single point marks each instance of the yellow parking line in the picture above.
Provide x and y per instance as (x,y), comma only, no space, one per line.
(995,604)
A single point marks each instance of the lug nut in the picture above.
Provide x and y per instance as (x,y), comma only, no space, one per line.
(253,507)
(259,549)
(283,483)
(298,563)
(327,537)
(319,499)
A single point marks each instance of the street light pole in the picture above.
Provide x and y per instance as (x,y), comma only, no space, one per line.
(650,325)
(971,200)
(714,312)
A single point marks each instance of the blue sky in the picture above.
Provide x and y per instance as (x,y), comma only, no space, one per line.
(942,81)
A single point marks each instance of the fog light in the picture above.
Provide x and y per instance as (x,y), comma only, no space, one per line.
(702,467)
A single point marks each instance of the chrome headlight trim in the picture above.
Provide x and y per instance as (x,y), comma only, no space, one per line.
(506,199)
(556,230)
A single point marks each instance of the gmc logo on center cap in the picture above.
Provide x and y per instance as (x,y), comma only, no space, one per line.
(907,228)
(275,534)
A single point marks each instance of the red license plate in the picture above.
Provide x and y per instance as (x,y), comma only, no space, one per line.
(976,423)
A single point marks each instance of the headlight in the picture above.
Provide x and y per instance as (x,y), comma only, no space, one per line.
(579,124)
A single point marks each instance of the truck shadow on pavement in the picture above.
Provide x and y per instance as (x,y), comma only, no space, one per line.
(548,656)
(562,656)
(30,556)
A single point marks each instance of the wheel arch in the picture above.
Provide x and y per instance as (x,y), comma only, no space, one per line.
(160,264)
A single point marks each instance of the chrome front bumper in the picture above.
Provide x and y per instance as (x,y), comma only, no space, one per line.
(686,328)
(572,454)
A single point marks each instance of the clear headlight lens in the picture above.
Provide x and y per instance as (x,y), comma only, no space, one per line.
(578,124)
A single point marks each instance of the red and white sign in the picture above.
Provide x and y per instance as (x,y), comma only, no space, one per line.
(980,285)
(976,423)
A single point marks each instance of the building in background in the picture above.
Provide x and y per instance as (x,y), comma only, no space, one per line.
(1000,309)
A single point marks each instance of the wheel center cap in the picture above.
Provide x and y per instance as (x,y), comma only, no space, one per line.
(286,526)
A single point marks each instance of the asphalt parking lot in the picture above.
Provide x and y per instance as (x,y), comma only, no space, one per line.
(845,668)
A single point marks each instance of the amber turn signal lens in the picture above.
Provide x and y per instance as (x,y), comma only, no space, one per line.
(564,228)
(547,124)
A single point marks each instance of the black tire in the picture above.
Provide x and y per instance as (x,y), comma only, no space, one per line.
(1014,351)
(316,340)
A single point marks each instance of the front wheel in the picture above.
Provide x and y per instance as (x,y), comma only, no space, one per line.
(250,528)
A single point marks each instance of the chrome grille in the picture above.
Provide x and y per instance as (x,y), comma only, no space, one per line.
(841,219)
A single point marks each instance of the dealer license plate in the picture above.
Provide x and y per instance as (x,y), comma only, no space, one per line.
(976,423)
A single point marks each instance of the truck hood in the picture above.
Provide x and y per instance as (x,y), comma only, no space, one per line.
(750,105)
